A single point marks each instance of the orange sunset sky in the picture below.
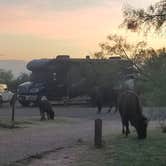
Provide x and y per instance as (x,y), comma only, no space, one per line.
(31,29)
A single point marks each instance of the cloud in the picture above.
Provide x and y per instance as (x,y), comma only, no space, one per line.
(67,24)
(56,4)
(29,47)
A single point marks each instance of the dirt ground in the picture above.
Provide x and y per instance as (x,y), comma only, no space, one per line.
(72,130)
(59,157)
(69,156)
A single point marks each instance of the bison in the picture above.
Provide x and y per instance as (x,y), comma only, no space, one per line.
(45,107)
(130,110)
(105,97)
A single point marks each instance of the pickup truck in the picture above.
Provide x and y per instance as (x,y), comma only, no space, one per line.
(5,94)
(30,92)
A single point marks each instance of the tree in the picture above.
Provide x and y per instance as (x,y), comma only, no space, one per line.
(152,18)
(6,76)
(23,77)
(149,65)
(152,66)
(135,53)
(139,54)
(155,66)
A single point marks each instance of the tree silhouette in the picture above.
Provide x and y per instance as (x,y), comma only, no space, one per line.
(152,18)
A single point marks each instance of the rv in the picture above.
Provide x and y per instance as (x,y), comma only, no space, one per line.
(66,79)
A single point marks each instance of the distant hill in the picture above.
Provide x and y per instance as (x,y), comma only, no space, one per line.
(17,66)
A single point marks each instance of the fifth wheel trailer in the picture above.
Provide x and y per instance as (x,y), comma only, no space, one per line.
(64,79)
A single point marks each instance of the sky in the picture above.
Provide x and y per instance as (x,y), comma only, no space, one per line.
(32,29)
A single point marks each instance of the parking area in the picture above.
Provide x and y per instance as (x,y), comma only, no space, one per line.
(60,111)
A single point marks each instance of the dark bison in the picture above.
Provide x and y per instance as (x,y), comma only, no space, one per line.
(111,99)
(108,98)
(131,111)
(45,107)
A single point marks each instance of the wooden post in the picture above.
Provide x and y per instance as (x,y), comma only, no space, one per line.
(98,133)
(12,103)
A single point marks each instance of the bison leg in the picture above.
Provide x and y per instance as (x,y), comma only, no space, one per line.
(110,107)
(42,116)
(127,128)
(116,108)
(48,115)
(123,126)
(52,114)
(109,110)
(99,108)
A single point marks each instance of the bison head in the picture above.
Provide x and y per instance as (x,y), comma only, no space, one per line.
(141,127)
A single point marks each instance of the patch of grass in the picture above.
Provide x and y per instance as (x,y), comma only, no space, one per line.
(133,152)
(8,125)
(121,151)
(12,125)
(164,129)
(5,123)
(91,157)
